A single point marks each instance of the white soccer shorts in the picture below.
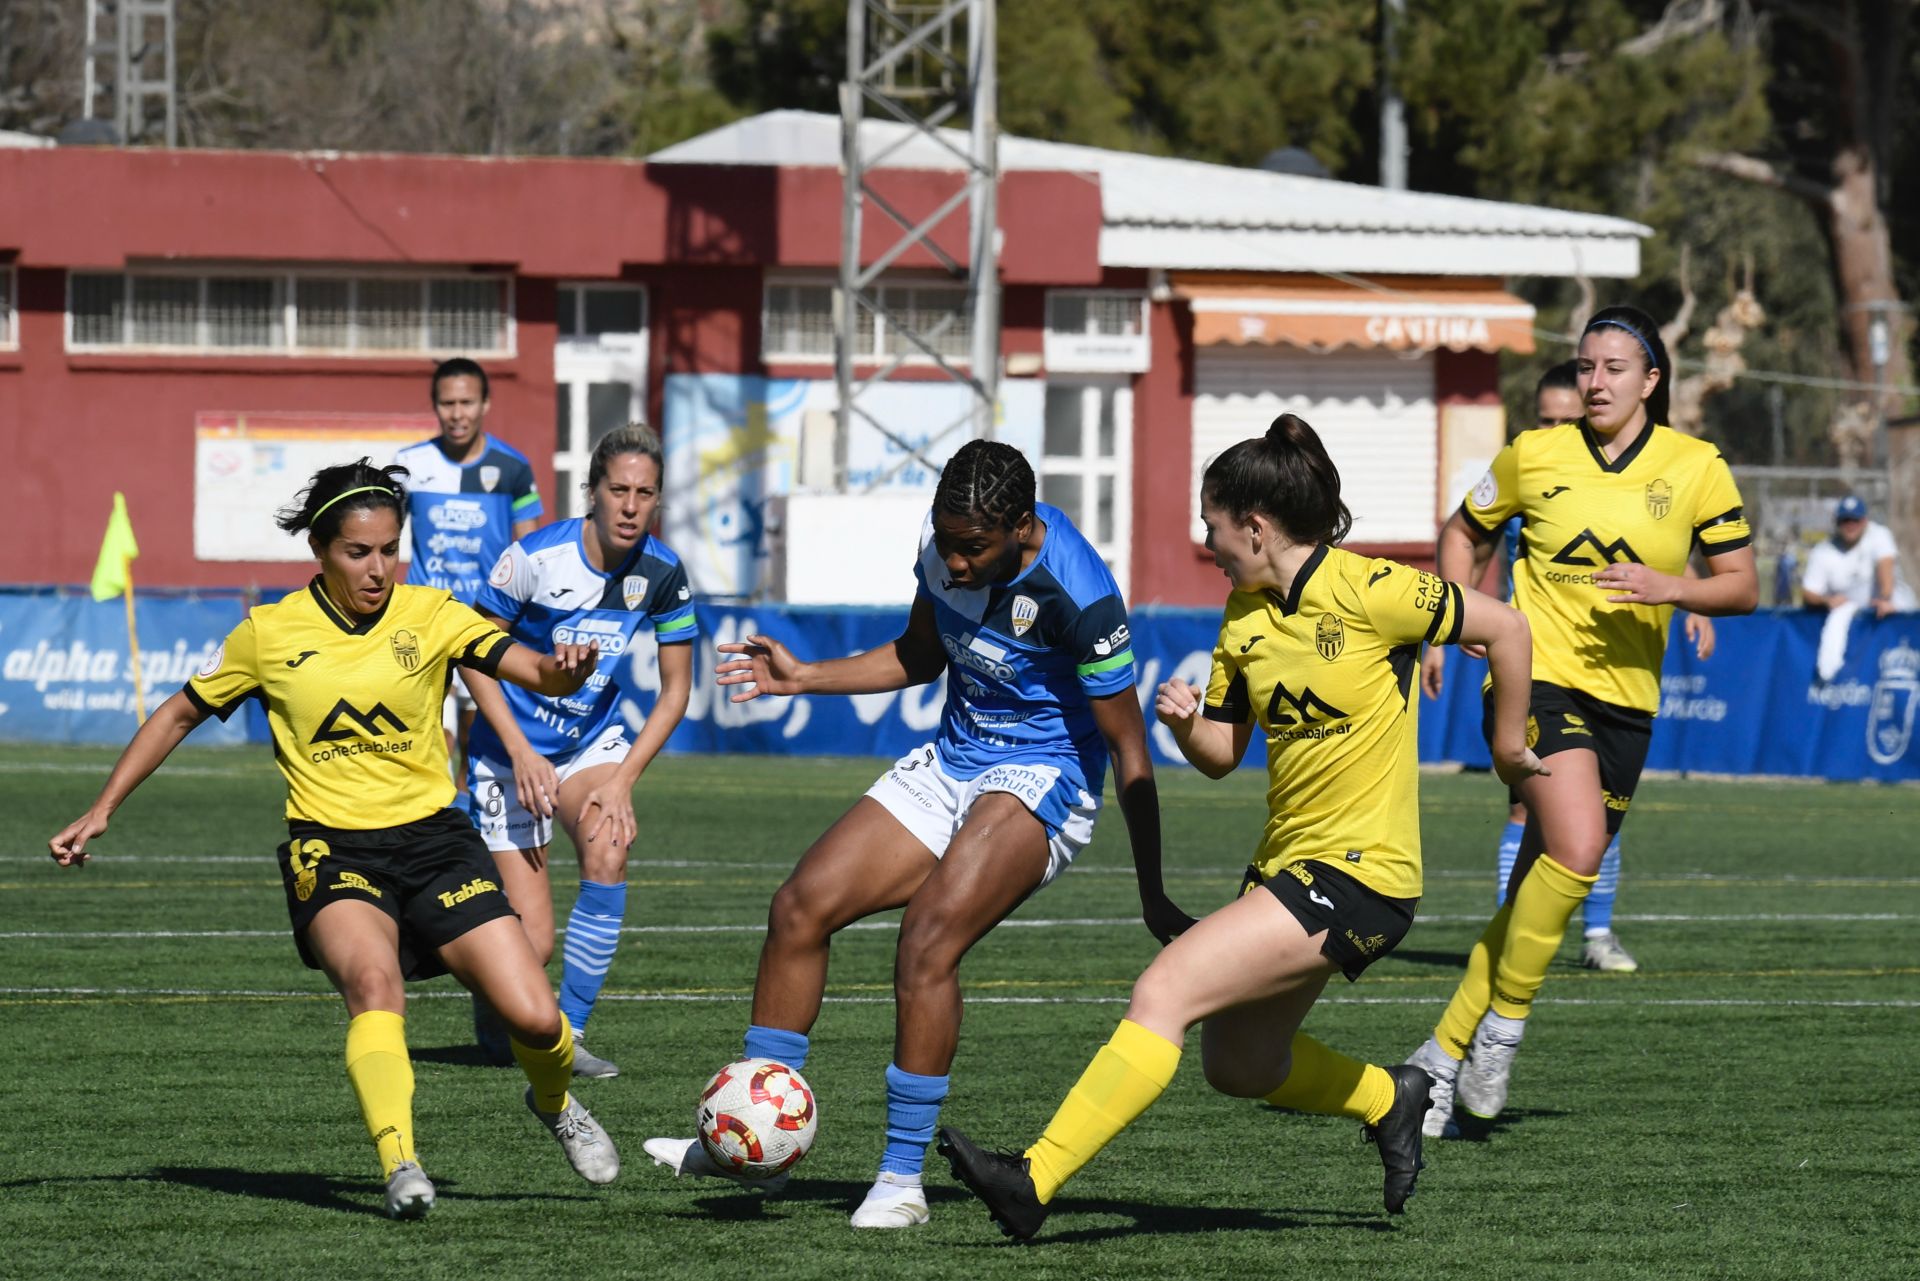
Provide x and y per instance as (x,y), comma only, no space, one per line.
(932,804)
(508,825)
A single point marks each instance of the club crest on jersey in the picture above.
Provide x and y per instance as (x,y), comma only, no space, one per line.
(633,590)
(406,649)
(1025,611)
(1659,499)
(1330,636)
(489,477)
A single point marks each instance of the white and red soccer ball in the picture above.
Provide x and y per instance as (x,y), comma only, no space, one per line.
(756,1117)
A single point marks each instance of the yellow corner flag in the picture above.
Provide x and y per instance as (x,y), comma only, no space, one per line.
(112,574)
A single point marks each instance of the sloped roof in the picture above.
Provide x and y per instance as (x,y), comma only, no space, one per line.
(1162,212)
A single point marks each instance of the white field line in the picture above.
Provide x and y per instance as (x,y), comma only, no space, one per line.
(1042,923)
(265,861)
(729,998)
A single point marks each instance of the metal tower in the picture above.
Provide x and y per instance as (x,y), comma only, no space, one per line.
(902,61)
(129,55)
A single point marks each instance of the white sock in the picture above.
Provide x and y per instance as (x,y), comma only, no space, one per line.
(1502,1030)
(897,1179)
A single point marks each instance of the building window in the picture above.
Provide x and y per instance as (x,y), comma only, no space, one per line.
(289,313)
(600,379)
(1086,462)
(1097,331)
(796,322)
(8,338)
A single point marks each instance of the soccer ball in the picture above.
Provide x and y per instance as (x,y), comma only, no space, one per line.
(756,1117)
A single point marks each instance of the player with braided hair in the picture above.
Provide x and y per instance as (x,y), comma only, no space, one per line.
(1025,620)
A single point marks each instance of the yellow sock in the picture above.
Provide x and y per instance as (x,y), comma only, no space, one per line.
(1325,1081)
(1126,1076)
(1541,906)
(548,1070)
(1454,1031)
(382,1077)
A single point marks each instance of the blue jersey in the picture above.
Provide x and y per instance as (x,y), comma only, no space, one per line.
(1025,657)
(463,513)
(548,595)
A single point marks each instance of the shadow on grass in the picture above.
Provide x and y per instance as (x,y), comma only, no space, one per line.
(468,1055)
(340,1193)
(1445,960)
(1475,1130)
(1176,1220)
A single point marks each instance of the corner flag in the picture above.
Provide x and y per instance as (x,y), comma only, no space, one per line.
(112,574)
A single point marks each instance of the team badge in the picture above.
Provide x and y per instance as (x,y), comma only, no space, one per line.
(1330,636)
(214,660)
(1533,732)
(633,590)
(502,572)
(1659,499)
(1025,611)
(489,477)
(1895,694)
(406,649)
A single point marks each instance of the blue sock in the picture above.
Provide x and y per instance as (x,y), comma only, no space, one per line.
(913,1106)
(778,1044)
(593,932)
(1598,907)
(1509,854)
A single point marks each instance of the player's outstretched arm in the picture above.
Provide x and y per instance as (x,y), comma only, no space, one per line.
(1118,716)
(762,665)
(562,672)
(1212,747)
(172,721)
(535,781)
(1508,639)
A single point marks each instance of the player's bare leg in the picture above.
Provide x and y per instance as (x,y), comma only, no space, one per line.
(598,913)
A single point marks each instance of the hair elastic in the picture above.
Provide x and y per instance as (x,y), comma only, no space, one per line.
(1652,361)
(364,489)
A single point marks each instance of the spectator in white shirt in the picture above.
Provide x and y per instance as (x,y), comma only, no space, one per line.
(1853,570)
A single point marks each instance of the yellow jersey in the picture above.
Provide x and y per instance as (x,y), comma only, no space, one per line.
(1580,513)
(1328,672)
(353,702)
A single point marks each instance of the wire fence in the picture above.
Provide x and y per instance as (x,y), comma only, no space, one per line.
(1791,510)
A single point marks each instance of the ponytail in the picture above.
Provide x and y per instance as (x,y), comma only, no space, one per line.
(1286,476)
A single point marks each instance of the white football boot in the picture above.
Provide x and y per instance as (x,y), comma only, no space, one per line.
(894,1201)
(590,1065)
(1482,1087)
(588,1149)
(409,1192)
(1603,952)
(686,1157)
(1443,1068)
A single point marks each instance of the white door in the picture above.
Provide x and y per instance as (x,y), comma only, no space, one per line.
(1086,461)
(600,379)
(1374,411)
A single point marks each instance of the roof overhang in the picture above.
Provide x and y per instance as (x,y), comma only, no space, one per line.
(1401,314)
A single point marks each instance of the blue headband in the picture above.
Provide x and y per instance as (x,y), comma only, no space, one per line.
(1652,361)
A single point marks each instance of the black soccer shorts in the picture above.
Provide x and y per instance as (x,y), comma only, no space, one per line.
(1559,719)
(434,877)
(1362,924)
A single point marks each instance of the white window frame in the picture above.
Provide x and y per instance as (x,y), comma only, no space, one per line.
(9,307)
(878,353)
(1088,351)
(288,283)
(1090,467)
(579,359)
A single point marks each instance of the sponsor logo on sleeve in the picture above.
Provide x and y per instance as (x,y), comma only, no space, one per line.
(502,571)
(214,660)
(1485,491)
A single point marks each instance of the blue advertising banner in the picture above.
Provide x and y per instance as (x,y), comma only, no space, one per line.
(1754,708)
(65,671)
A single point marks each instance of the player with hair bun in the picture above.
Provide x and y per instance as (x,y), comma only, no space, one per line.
(385,881)
(1026,620)
(1317,649)
(1612,505)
